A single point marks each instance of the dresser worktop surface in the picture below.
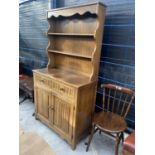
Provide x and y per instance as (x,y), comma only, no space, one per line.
(73,79)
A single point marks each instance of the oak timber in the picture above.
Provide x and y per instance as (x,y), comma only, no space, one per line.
(65,91)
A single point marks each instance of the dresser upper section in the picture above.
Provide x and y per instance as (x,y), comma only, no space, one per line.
(75,40)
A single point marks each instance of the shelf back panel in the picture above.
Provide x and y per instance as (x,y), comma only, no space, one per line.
(72,64)
(84,46)
(86,25)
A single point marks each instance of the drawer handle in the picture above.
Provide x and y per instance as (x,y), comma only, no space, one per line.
(52,108)
(42,81)
(62,89)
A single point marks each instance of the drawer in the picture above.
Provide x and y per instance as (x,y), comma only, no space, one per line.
(63,89)
(59,88)
(41,80)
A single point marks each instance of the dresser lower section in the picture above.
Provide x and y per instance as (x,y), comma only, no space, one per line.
(64,108)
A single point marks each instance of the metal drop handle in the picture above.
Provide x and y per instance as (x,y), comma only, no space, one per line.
(62,89)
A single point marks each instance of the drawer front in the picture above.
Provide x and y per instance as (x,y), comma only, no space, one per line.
(63,89)
(41,80)
(57,87)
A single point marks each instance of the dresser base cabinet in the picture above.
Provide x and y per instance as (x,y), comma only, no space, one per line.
(71,119)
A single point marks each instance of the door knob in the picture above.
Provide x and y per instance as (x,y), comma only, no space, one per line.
(51,107)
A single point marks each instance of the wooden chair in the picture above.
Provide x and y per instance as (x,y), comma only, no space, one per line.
(116,104)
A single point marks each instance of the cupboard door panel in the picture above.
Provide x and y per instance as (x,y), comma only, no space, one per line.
(43,102)
(62,118)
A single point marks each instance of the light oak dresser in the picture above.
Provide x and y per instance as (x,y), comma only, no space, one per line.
(65,91)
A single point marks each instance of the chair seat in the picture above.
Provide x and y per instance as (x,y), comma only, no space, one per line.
(109,122)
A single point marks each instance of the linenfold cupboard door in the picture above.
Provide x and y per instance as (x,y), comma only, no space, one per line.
(61,116)
(42,99)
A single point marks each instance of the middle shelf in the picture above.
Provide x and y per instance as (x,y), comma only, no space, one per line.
(71,54)
(73,34)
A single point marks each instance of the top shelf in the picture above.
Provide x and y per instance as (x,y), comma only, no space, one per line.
(72,34)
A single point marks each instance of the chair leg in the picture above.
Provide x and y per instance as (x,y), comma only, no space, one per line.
(25,98)
(122,136)
(90,137)
(117,144)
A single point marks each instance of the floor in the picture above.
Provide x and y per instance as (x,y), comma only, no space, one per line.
(101,144)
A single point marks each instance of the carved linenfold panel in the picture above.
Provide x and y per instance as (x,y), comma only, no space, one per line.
(62,112)
(43,102)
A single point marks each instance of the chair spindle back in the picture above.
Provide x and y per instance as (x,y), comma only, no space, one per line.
(117,99)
